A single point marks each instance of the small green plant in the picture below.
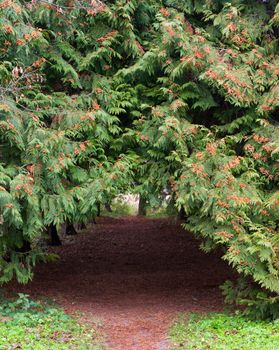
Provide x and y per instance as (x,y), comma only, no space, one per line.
(29,325)
(219,331)
(22,303)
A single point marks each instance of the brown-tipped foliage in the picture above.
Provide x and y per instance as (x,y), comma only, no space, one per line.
(101,97)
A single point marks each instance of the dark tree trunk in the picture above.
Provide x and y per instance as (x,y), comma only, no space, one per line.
(54,238)
(108,207)
(98,209)
(70,230)
(142,206)
(26,247)
(182,214)
(82,226)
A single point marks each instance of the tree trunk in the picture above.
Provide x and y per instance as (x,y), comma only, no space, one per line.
(142,206)
(98,209)
(82,226)
(182,214)
(70,230)
(26,247)
(54,238)
(108,207)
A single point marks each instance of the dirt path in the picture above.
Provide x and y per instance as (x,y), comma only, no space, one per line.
(135,275)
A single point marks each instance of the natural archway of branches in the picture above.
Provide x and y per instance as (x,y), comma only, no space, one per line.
(100,98)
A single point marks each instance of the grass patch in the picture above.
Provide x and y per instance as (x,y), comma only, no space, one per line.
(30,325)
(119,209)
(161,212)
(224,332)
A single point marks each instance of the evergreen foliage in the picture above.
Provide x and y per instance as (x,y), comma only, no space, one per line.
(97,98)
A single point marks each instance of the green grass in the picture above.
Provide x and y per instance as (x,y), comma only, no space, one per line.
(224,332)
(162,212)
(29,325)
(122,208)
(119,209)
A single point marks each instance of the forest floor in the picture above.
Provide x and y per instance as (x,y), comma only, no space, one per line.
(131,276)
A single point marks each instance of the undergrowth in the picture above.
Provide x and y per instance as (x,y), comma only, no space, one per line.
(220,331)
(35,325)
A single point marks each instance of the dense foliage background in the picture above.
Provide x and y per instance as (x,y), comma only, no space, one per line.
(100,98)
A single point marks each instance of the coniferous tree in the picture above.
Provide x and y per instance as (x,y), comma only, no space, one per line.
(101,97)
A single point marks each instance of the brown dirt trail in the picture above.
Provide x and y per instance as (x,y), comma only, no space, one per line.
(134,275)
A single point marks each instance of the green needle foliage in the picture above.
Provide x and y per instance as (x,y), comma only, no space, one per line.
(99,98)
